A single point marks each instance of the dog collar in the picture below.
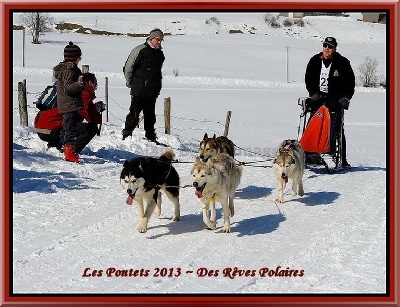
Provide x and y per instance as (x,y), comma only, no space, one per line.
(212,198)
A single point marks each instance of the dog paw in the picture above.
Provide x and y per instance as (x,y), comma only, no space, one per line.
(176,218)
(226,229)
(157,211)
(293,194)
(211,225)
(280,200)
(142,228)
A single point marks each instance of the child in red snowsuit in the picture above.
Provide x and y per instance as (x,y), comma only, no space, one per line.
(48,124)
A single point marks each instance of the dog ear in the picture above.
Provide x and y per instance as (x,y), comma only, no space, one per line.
(126,163)
(205,136)
(143,166)
(210,162)
(214,137)
(198,162)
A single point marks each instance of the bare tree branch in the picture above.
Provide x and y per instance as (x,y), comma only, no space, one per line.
(37,24)
(368,70)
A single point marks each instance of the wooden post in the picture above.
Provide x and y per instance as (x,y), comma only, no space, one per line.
(23,106)
(106,98)
(167,115)
(85,68)
(228,120)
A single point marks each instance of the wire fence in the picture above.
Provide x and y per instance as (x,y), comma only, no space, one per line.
(181,124)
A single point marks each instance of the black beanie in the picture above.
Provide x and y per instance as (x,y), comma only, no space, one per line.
(72,52)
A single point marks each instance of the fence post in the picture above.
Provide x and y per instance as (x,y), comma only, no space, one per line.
(23,105)
(106,98)
(167,115)
(85,68)
(228,120)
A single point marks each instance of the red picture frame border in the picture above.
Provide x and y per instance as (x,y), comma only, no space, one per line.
(315,300)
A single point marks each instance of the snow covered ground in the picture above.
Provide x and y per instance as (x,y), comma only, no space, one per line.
(72,231)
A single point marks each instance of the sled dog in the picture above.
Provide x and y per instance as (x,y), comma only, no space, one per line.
(216,180)
(289,163)
(143,177)
(209,147)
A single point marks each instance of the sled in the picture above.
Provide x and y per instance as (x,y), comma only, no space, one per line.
(320,135)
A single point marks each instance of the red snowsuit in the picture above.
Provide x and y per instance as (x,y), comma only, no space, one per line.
(48,124)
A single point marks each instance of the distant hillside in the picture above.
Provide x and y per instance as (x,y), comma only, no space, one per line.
(139,24)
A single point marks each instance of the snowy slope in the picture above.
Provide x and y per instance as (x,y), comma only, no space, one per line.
(70,220)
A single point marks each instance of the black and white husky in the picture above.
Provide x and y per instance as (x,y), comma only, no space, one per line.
(289,163)
(143,178)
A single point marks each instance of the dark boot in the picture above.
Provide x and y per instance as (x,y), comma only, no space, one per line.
(70,154)
(126,133)
(345,164)
(151,135)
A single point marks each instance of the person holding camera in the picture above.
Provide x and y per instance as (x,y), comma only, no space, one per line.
(330,81)
(69,98)
(48,124)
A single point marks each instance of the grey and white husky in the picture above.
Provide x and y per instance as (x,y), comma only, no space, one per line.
(216,180)
(289,162)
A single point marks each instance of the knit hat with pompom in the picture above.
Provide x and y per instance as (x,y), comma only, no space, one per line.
(72,52)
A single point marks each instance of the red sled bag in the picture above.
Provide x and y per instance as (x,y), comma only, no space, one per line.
(317,133)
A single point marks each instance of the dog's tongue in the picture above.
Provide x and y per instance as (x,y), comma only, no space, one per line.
(129,200)
(198,194)
(286,179)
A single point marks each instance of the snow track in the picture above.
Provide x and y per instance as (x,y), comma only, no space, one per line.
(82,224)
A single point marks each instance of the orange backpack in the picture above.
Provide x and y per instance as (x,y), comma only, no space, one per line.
(317,133)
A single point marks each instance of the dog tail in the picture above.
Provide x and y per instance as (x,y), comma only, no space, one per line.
(167,156)
(239,172)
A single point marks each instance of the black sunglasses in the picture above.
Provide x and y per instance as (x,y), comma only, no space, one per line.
(329,46)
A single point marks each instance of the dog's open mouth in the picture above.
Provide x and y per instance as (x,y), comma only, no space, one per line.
(131,196)
(285,177)
(199,190)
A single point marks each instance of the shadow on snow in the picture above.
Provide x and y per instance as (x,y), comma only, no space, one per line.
(194,223)
(253,192)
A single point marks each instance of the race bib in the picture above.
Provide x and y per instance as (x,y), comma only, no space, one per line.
(324,78)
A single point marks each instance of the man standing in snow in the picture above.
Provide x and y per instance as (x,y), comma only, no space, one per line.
(143,76)
(330,81)
(69,98)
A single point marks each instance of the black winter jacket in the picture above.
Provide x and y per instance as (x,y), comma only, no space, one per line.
(142,71)
(341,80)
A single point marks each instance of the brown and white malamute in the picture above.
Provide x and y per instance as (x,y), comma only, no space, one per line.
(209,147)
